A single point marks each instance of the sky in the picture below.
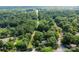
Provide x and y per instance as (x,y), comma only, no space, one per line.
(39,2)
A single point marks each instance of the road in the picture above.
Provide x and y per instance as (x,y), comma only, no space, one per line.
(77,33)
(60,46)
(31,40)
(6,39)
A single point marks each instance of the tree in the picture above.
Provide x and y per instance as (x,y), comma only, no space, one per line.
(69,28)
(39,36)
(46,49)
(20,45)
(60,21)
(76,49)
(10,45)
(43,26)
(52,41)
(1,44)
(67,38)
(50,34)
(3,32)
(76,40)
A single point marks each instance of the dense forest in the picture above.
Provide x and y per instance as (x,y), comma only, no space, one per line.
(39,30)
